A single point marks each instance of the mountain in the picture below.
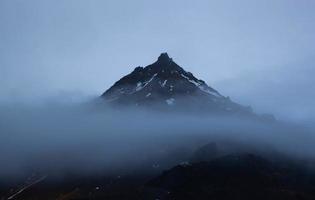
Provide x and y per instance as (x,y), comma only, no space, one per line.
(166,85)
(236,176)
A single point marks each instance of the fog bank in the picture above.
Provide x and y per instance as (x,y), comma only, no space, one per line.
(81,138)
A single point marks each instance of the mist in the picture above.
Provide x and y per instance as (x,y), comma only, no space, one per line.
(58,57)
(83,138)
(286,90)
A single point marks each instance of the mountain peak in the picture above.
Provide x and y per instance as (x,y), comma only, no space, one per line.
(164,58)
(166,83)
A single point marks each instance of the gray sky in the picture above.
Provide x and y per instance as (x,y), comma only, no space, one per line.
(247,49)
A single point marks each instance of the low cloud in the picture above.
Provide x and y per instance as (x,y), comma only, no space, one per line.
(58,138)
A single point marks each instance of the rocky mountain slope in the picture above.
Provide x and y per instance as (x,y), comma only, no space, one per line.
(166,85)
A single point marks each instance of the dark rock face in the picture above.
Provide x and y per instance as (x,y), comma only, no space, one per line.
(243,176)
(166,84)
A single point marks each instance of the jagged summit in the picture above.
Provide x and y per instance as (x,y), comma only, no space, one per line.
(165,83)
(163,66)
(164,58)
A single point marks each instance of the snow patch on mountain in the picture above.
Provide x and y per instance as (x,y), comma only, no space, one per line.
(140,85)
(170,101)
(206,89)
(192,81)
(164,83)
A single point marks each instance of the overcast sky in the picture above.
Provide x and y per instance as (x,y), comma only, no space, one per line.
(260,53)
